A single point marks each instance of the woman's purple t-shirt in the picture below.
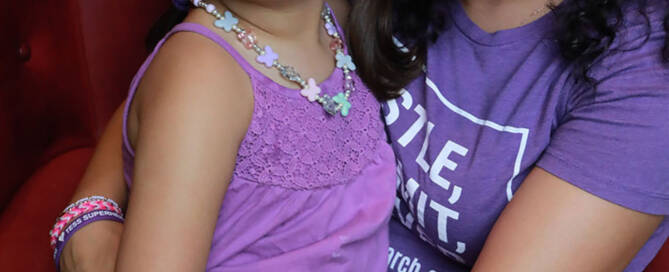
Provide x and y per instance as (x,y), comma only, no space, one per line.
(491,107)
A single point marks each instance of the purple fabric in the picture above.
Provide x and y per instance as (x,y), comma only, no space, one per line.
(310,192)
(181,4)
(493,106)
(79,223)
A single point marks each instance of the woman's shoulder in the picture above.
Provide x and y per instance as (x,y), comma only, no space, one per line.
(622,117)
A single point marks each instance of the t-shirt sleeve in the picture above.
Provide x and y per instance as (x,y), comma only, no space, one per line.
(613,142)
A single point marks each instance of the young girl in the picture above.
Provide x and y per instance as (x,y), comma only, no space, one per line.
(237,162)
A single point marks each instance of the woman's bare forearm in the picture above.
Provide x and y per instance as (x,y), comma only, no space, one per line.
(95,247)
(104,175)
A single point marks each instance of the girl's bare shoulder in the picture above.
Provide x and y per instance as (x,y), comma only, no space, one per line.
(193,73)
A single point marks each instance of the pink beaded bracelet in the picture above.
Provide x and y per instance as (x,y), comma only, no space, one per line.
(78,208)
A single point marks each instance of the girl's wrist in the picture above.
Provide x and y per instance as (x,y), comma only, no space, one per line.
(92,248)
(77,209)
(78,215)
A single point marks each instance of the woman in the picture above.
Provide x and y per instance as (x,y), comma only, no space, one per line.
(564,111)
(567,115)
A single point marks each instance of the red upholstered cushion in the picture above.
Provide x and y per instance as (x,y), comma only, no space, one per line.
(64,67)
(25,224)
(43,88)
(113,35)
(661,261)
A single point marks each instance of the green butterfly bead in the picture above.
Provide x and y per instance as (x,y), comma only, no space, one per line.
(345,104)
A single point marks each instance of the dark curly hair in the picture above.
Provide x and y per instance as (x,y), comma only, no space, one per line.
(585,30)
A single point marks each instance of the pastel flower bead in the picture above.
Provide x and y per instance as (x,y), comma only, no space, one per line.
(311,91)
(332,30)
(343,102)
(227,22)
(268,57)
(345,61)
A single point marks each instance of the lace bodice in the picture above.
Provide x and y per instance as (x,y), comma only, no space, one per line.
(294,144)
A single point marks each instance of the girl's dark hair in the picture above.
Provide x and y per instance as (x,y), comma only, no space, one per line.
(586,29)
(371,27)
(165,23)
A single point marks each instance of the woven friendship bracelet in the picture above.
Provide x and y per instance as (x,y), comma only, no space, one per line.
(77,224)
(77,209)
(88,199)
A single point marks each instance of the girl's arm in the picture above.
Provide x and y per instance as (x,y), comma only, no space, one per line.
(94,247)
(191,113)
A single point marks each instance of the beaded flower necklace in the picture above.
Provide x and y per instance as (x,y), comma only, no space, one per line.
(270,59)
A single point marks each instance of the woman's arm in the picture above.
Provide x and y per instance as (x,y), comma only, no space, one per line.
(551,225)
(94,247)
(191,113)
(104,175)
(600,188)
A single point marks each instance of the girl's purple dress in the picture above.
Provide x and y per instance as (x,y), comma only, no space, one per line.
(310,192)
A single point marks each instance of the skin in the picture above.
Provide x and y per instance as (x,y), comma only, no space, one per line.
(549,225)
(496,15)
(94,248)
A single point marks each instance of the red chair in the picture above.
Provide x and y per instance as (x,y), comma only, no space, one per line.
(661,261)
(64,67)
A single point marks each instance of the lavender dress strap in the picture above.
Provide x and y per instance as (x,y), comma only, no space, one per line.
(209,34)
